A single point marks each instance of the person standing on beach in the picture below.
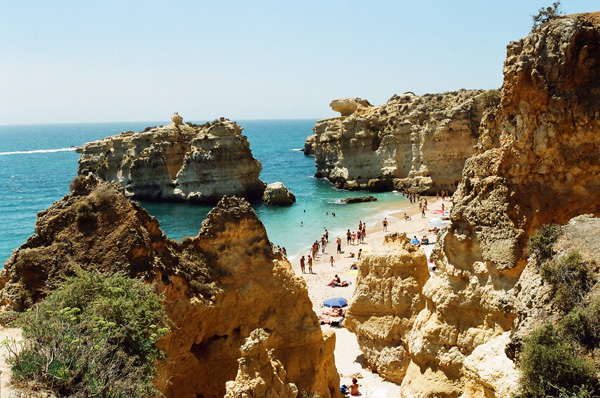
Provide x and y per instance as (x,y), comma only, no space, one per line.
(348,237)
(339,246)
(326,235)
(423,213)
(302,264)
(385,224)
(331,260)
(310,261)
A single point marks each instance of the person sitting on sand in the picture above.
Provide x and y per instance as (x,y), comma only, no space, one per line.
(406,217)
(335,281)
(425,240)
(351,255)
(354,266)
(354,387)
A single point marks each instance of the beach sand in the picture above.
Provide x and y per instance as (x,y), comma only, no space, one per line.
(348,357)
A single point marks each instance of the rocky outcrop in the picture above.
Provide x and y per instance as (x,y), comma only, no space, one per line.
(360,199)
(277,194)
(347,106)
(385,304)
(308,146)
(411,142)
(177,162)
(259,373)
(536,163)
(219,286)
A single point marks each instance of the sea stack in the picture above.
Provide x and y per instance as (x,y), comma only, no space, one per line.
(177,162)
(452,333)
(415,143)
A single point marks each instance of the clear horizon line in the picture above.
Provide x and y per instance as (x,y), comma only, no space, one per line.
(157,121)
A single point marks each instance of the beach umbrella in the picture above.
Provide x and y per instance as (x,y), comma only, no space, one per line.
(437,212)
(436,223)
(336,302)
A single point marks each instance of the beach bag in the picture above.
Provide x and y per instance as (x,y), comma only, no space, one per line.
(344,389)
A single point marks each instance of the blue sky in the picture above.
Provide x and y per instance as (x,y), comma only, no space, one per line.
(125,60)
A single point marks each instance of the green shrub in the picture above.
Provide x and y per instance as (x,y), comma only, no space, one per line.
(540,245)
(546,14)
(84,213)
(582,325)
(571,279)
(550,367)
(93,337)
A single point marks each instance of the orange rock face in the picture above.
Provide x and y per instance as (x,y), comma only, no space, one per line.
(219,286)
(536,163)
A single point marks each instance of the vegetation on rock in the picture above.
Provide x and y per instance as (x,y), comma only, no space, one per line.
(571,279)
(540,244)
(85,213)
(92,337)
(546,14)
(557,359)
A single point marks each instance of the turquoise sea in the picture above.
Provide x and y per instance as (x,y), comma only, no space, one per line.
(37,163)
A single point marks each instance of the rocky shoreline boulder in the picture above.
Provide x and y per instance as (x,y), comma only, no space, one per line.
(277,194)
(177,162)
(360,199)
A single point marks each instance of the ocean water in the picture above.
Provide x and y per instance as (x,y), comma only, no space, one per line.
(38,162)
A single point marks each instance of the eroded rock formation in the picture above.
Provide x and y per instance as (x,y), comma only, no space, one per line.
(277,194)
(411,141)
(177,162)
(219,286)
(347,106)
(259,373)
(536,163)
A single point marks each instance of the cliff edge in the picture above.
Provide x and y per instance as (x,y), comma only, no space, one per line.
(536,163)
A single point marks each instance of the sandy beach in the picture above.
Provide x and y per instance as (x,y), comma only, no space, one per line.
(348,357)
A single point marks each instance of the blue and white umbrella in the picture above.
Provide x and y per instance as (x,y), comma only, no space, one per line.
(336,302)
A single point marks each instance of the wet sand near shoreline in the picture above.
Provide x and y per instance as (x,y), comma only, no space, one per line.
(348,357)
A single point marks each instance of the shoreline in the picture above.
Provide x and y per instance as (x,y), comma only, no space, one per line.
(348,357)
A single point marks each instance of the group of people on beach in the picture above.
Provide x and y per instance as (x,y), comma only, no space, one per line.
(352,238)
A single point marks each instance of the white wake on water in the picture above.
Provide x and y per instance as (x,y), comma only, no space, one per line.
(38,151)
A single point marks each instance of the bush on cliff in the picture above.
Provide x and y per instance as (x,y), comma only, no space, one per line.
(571,280)
(92,337)
(84,213)
(546,14)
(540,244)
(552,367)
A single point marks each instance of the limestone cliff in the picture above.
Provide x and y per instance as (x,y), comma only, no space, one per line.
(536,163)
(411,141)
(177,162)
(219,286)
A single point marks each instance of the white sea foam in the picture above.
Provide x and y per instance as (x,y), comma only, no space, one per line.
(38,151)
